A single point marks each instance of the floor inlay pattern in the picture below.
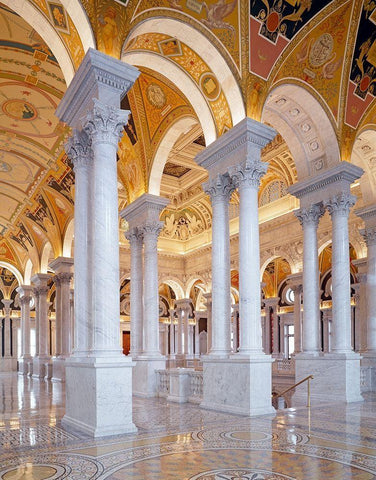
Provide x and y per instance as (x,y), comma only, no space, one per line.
(184,442)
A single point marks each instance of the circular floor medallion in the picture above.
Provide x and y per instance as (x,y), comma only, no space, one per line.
(240,474)
(29,471)
(247,436)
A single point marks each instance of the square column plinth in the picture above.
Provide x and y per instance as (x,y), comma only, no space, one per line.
(368,365)
(145,377)
(336,378)
(240,385)
(99,396)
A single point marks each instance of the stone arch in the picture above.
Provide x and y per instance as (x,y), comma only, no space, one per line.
(206,50)
(14,270)
(45,29)
(175,285)
(78,15)
(304,124)
(68,239)
(28,272)
(45,257)
(189,284)
(363,155)
(163,150)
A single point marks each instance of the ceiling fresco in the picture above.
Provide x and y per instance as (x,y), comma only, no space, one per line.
(328,47)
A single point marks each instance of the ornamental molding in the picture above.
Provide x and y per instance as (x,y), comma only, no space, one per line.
(369,235)
(245,140)
(340,204)
(366,213)
(248,173)
(219,188)
(144,209)
(310,215)
(98,76)
(343,172)
(78,149)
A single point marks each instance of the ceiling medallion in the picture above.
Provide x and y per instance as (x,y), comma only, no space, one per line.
(19,110)
(156,95)
(210,86)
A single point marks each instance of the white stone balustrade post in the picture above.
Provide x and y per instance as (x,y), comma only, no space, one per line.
(7,327)
(309,219)
(246,177)
(25,292)
(41,290)
(339,207)
(135,238)
(220,190)
(78,149)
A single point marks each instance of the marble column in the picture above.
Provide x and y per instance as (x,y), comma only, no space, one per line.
(309,219)
(339,208)
(235,327)
(327,321)
(191,336)
(369,356)
(172,332)
(208,297)
(91,103)
(220,190)
(272,325)
(183,310)
(15,326)
(295,282)
(143,214)
(25,292)
(135,238)
(234,160)
(8,363)
(62,267)
(79,151)
(180,333)
(42,359)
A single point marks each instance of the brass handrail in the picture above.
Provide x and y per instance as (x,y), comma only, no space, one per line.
(310,377)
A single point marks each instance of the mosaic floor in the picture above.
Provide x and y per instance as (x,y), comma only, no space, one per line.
(183,442)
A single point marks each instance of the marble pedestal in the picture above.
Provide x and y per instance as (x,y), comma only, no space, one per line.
(180,382)
(336,378)
(58,369)
(8,364)
(39,366)
(99,395)
(368,365)
(23,365)
(239,384)
(145,377)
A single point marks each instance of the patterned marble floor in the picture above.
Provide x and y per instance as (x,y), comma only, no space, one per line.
(183,442)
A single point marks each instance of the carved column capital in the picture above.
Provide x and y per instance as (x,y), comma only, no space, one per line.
(62,278)
(41,290)
(78,149)
(105,123)
(150,229)
(134,236)
(310,215)
(340,204)
(369,235)
(248,174)
(219,188)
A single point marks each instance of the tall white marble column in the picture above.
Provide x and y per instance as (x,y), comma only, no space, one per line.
(78,149)
(208,298)
(41,290)
(172,332)
(220,190)
(235,327)
(62,267)
(309,219)
(272,321)
(25,292)
(135,238)
(327,326)
(295,282)
(183,310)
(339,207)
(91,103)
(7,362)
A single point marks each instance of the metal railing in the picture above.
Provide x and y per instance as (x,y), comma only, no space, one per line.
(306,379)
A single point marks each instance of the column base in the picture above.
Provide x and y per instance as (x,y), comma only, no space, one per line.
(240,384)
(99,395)
(23,365)
(8,364)
(336,378)
(368,372)
(39,366)
(58,369)
(144,377)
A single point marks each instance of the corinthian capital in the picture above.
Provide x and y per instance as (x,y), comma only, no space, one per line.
(340,204)
(369,235)
(134,236)
(78,149)
(219,188)
(104,123)
(310,215)
(248,174)
(151,230)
